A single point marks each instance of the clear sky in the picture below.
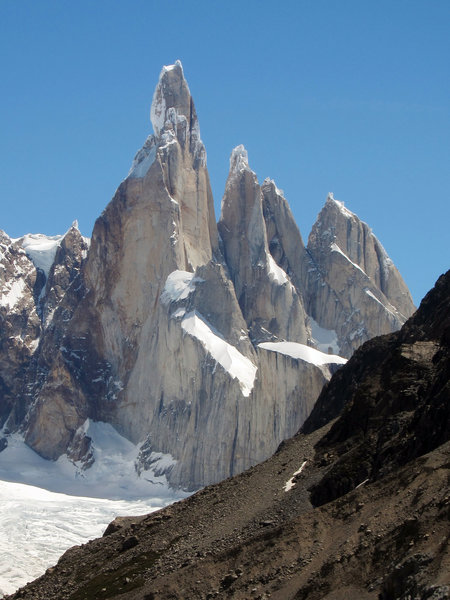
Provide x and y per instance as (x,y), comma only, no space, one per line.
(350,97)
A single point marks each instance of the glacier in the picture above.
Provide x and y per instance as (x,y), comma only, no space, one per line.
(66,506)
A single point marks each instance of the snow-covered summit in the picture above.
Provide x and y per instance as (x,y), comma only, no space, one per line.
(239,160)
(171,91)
(176,64)
(173,118)
(271,183)
(41,249)
(340,205)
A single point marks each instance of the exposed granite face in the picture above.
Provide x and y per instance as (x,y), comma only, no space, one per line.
(283,236)
(52,393)
(353,286)
(64,271)
(160,220)
(156,328)
(151,336)
(269,301)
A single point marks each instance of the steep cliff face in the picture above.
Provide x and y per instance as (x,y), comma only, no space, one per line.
(268,300)
(61,263)
(36,272)
(21,285)
(160,220)
(353,286)
(160,339)
(283,236)
(188,342)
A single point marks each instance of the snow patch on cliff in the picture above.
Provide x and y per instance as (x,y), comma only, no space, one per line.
(41,249)
(276,273)
(372,295)
(236,364)
(143,159)
(178,286)
(158,108)
(290,482)
(14,294)
(302,352)
(335,248)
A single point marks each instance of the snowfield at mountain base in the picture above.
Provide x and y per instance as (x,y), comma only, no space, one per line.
(38,526)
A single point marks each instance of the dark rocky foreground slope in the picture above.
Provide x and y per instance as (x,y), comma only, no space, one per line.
(367,516)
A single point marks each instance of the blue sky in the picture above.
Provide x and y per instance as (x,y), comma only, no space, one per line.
(345,96)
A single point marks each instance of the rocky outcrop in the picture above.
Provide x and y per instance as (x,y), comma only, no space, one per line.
(64,272)
(36,273)
(268,300)
(349,287)
(353,286)
(283,236)
(396,409)
(264,533)
(21,285)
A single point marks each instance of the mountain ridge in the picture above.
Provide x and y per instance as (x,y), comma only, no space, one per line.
(117,344)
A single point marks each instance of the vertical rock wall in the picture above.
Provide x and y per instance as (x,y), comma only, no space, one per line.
(157,331)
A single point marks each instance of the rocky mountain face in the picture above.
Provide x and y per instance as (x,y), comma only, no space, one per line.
(207,342)
(270,304)
(37,273)
(353,286)
(355,506)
